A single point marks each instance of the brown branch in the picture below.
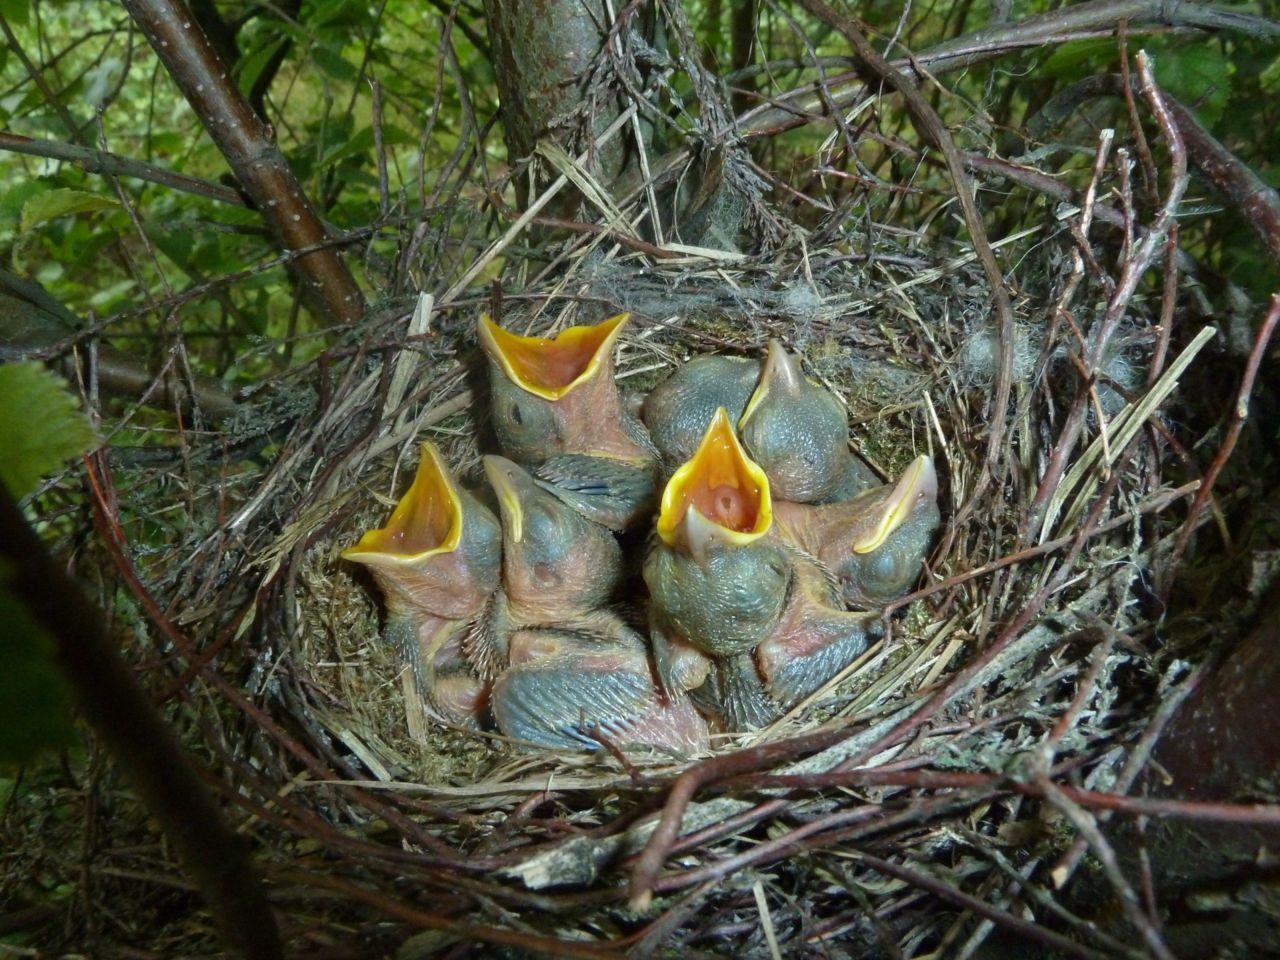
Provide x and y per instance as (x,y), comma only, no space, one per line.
(1087,827)
(108,525)
(249,147)
(526,942)
(663,837)
(987,784)
(1239,414)
(1028,929)
(143,745)
(1134,268)
(101,161)
(1224,171)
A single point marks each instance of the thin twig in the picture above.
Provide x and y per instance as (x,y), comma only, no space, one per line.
(1239,415)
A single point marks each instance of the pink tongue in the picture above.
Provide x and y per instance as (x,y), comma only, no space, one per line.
(728,506)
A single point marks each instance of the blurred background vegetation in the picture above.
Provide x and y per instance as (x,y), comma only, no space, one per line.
(128,255)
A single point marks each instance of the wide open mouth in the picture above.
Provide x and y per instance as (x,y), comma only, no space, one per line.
(550,368)
(426,522)
(917,486)
(719,485)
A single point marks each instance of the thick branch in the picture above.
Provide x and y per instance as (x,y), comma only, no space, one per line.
(120,714)
(542,58)
(250,149)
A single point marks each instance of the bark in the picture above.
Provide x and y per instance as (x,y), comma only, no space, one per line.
(542,53)
(249,146)
(146,750)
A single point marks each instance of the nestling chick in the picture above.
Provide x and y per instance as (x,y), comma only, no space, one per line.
(711,573)
(679,410)
(556,409)
(556,564)
(798,432)
(437,562)
(766,617)
(572,681)
(875,543)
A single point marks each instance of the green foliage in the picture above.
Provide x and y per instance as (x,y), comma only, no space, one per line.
(41,426)
(15,11)
(1197,74)
(52,204)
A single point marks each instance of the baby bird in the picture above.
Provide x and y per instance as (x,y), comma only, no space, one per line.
(711,573)
(765,617)
(798,432)
(556,409)
(572,684)
(678,411)
(438,562)
(556,564)
(573,670)
(815,638)
(873,544)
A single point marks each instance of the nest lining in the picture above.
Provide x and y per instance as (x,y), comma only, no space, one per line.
(466,771)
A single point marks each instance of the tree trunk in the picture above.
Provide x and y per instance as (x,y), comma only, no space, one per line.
(543,51)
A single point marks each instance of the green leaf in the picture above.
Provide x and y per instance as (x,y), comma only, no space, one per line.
(15,198)
(1073,60)
(1198,74)
(255,61)
(330,12)
(35,709)
(176,244)
(15,11)
(329,60)
(351,146)
(41,426)
(53,204)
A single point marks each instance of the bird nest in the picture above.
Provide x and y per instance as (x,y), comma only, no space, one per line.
(948,786)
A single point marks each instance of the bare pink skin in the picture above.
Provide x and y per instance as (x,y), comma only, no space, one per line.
(814,639)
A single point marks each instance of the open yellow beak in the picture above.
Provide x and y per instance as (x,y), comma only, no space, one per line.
(426,522)
(551,368)
(917,485)
(719,491)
